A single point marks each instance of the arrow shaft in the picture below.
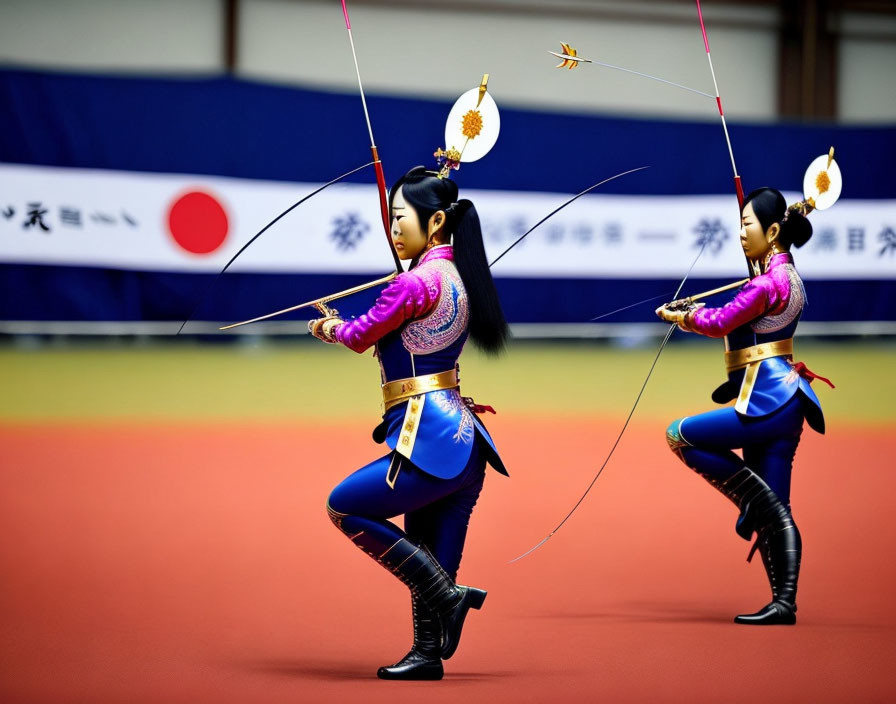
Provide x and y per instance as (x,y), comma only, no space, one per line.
(316,301)
(653,78)
(385,279)
(720,289)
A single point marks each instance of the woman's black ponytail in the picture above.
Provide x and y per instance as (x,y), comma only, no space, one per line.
(428,194)
(488,328)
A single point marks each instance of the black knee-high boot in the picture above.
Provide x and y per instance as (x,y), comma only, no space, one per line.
(424,661)
(780,545)
(414,565)
(778,540)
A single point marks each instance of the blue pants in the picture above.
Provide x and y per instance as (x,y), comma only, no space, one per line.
(705,442)
(436,511)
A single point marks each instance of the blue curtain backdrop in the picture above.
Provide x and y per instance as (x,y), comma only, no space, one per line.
(228,127)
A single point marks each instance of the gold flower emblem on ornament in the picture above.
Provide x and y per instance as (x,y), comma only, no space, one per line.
(823,182)
(472,124)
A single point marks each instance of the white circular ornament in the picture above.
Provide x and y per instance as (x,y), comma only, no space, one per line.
(473,125)
(823,182)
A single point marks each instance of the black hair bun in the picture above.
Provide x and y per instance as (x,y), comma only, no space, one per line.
(796,229)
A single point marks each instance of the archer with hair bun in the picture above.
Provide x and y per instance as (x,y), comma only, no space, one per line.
(772,393)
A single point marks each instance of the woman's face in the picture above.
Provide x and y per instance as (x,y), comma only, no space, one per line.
(754,240)
(408,235)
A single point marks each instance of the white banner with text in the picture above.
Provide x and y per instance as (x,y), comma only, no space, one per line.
(182,223)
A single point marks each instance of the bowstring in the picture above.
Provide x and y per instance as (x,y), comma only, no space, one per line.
(630,305)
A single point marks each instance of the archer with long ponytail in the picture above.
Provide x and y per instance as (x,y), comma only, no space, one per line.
(438,447)
(428,194)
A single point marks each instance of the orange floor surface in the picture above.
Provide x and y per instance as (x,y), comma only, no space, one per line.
(197,564)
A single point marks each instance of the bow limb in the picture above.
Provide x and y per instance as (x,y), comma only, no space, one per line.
(377,164)
(323,300)
(609,455)
(559,208)
(738,186)
(628,418)
(260,233)
(672,328)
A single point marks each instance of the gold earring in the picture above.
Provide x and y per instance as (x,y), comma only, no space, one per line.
(772,251)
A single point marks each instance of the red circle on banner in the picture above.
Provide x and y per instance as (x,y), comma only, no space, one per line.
(198,222)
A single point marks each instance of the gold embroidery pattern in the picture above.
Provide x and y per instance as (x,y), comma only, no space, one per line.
(795,305)
(448,320)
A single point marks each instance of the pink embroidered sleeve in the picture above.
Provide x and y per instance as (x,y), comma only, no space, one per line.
(406,298)
(755,299)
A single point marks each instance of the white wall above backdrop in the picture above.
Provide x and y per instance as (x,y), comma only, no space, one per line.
(432,48)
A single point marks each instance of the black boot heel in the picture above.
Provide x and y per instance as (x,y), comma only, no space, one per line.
(415,565)
(781,547)
(453,620)
(778,541)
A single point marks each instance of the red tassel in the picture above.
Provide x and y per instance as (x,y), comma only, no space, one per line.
(804,371)
(476,408)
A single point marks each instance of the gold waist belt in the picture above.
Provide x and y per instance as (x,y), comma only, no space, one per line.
(738,359)
(394,392)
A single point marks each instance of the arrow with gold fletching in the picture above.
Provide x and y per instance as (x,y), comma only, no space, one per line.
(570,57)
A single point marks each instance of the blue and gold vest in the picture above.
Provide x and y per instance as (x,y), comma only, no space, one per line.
(444,428)
(765,386)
